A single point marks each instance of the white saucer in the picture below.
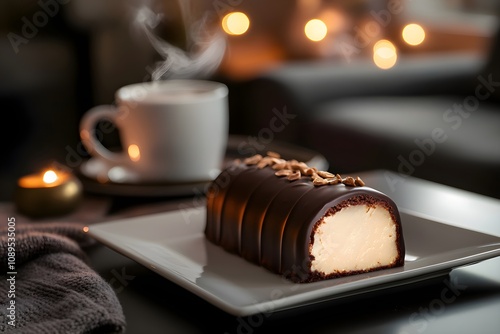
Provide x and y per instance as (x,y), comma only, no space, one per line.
(99,176)
(105,172)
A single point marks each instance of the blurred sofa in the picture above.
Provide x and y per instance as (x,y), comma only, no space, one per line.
(435,117)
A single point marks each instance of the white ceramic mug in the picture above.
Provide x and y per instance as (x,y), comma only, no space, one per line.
(171,130)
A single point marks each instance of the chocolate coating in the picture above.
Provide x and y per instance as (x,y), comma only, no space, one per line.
(269,220)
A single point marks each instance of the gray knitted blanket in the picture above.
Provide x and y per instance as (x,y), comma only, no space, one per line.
(50,287)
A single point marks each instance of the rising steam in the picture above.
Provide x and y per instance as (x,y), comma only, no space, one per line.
(205,49)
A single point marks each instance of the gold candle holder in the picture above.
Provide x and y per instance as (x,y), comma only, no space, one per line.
(49,193)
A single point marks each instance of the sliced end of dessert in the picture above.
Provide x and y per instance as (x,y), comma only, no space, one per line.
(352,239)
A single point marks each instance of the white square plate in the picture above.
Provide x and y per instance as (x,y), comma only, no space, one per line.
(173,245)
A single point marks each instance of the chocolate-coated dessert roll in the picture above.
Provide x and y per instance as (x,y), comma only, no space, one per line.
(304,224)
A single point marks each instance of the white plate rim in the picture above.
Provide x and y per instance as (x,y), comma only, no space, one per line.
(106,234)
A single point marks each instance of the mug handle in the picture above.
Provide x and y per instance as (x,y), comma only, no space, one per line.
(88,133)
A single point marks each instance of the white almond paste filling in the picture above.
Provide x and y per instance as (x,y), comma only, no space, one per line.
(358,237)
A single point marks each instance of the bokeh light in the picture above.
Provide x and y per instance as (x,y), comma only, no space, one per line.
(413,34)
(385,54)
(134,152)
(235,23)
(315,30)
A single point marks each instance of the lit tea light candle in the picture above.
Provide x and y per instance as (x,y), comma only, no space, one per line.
(50,193)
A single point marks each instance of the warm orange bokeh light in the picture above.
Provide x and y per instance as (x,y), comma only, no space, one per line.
(384,54)
(413,34)
(315,30)
(134,153)
(235,23)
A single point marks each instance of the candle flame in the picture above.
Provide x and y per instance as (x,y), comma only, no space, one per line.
(49,177)
(85,229)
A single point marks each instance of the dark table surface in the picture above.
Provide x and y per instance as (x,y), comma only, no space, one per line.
(152,304)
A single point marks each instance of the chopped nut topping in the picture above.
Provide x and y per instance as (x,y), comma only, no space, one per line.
(359,182)
(283,172)
(333,180)
(294,170)
(311,171)
(253,160)
(325,175)
(294,176)
(298,165)
(319,181)
(279,166)
(349,181)
(273,154)
(278,161)
(264,162)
